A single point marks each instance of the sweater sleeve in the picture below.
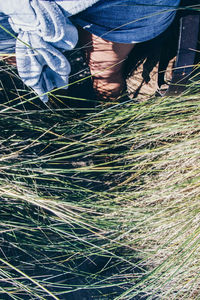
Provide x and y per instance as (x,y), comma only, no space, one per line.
(19,12)
(43,33)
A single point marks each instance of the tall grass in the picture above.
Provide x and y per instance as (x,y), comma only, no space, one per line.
(106,203)
(101,205)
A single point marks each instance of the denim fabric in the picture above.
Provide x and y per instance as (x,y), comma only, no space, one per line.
(7,42)
(130,21)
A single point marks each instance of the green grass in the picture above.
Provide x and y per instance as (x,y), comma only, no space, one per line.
(107,202)
(99,205)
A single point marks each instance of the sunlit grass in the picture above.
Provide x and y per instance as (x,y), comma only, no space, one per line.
(101,205)
(121,183)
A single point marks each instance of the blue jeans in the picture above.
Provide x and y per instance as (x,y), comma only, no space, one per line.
(7,42)
(130,21)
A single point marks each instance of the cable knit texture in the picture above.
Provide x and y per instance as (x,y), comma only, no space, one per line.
(43,33)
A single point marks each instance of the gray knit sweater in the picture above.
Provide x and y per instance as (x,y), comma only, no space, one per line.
(43,32)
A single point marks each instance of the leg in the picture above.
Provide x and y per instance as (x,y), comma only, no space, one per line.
(10,59)
(106,61)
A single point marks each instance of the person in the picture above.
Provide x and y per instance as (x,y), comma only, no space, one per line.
(40,30)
